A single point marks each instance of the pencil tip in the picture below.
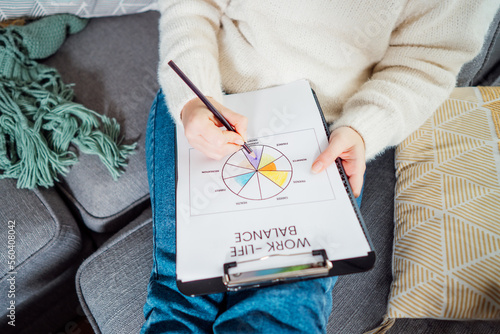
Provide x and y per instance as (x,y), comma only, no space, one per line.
(253,155)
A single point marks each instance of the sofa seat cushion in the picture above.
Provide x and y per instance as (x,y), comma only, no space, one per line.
(112,283)
(45,250)
(446,256)
(113,65)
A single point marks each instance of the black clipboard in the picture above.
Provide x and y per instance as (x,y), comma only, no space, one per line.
(311,265)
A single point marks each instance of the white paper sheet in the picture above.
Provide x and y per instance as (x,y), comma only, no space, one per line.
(239,209)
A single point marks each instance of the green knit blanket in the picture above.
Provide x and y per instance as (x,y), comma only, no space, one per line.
(39,123)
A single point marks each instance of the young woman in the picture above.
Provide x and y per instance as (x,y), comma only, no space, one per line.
(379,69)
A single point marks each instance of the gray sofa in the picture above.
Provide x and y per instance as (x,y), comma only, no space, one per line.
(88,215)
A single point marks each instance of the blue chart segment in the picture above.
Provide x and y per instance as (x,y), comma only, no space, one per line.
(243,179)
(259,178)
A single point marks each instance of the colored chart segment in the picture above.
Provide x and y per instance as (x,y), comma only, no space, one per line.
(245,164)
(234,184)
(243,179)
(259,178)
(277,177)
(258,154)
(270,166)
(267,157)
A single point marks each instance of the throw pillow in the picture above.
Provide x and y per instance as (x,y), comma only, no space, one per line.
(83,8)
(446,258)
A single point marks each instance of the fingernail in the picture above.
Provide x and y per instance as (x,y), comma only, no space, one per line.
(239,142)
(316,167)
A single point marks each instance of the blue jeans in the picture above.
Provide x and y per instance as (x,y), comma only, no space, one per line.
(301,307)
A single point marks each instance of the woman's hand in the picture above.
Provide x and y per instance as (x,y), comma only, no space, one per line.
(347,144)
(203,132)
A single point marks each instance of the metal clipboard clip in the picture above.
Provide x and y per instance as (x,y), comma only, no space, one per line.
(236,277)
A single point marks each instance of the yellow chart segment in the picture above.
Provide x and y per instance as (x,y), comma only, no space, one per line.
(277,177)
(265,160)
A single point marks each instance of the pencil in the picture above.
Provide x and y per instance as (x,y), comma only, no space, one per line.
(209,105)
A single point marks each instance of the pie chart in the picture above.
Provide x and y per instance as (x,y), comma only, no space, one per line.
(258,178)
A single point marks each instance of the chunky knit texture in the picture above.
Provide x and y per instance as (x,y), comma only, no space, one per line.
(38,120)
(380,67)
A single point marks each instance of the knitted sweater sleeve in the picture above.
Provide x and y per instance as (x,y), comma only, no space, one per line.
(188,36)
(430,43)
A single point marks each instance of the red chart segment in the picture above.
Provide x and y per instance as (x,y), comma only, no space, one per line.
(259,178)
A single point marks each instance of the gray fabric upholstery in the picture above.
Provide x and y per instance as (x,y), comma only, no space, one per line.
(48,249)
(113,64)
(112,283)
(481,70)
(359,301)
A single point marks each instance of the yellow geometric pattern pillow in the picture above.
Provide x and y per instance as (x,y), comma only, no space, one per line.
(446,258)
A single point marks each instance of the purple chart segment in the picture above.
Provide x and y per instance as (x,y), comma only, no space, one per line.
(258,153)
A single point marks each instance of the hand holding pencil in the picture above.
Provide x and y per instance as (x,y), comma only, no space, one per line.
(203,130)
(203,118)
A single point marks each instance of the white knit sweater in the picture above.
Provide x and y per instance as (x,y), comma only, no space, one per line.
(380,67)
